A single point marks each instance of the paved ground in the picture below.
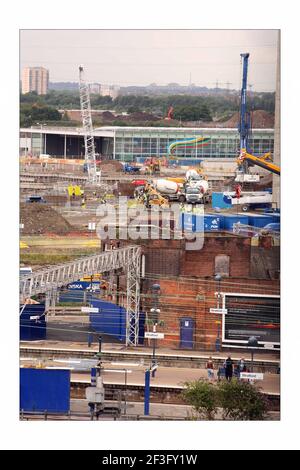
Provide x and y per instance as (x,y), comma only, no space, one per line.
(114,373)
(110,346)
(168,377)
(62,332)
(158,410)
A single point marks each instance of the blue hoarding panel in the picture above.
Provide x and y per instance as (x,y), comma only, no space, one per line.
(256,220)
(199,223)
(212,223)
(274,218)
(84,285)
(230,219)
(110,320)
(72,296)
(32,322)
(45,389)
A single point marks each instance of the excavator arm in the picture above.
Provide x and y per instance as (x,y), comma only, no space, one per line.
(150,196)
(263,162)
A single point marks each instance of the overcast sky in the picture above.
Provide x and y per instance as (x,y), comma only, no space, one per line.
(131,57)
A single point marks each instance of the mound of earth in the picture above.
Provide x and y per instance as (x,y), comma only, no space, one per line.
(107,116)
(41,218)
(260,120)
(125,188)
(139,116)
(110,166)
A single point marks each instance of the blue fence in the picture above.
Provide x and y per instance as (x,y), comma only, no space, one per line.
(200,223)
(217,222)
(45,390)
(32,322)
(111,320)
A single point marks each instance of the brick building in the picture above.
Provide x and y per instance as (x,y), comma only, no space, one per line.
(188,288)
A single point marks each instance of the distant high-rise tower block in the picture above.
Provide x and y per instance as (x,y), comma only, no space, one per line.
(35,79)
(110,90)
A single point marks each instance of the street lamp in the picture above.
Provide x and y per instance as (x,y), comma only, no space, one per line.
(155,311)
(99,354)
(252,343)
(218,279)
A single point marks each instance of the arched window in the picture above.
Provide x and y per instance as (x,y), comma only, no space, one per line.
(222,265)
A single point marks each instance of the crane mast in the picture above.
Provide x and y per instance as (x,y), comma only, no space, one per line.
(86,115)
(244,124)
(246,158)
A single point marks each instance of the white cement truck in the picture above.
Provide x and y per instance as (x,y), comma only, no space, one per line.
(193,190)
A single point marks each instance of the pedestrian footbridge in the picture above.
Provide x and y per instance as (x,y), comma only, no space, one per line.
(48,280)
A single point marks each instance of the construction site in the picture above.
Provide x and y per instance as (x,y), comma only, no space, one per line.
(144,253)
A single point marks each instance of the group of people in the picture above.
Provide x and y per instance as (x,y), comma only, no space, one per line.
(228,367)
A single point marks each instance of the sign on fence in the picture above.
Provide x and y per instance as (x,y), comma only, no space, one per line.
(221,311)
(251,376)
(153,335)
(89,310)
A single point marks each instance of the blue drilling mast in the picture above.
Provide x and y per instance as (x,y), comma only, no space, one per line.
(246,158)
(244,124)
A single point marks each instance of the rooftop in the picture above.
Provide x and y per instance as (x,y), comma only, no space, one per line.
(109,131)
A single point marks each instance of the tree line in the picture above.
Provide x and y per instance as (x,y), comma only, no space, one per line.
(186,107)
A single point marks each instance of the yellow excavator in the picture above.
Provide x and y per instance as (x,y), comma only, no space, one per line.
(151,197)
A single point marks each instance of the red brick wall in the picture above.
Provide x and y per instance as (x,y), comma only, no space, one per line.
(185,297)
(202,263)
(161,256)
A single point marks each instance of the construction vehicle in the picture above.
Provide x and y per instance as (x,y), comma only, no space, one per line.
(264,162)
(170,190)
(37,199)
(246,158)
(149,196)
(193,189)
(152,165)
(170,114)
(75,190)
(131,169)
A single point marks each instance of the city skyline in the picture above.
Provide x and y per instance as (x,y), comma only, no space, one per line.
(142,57)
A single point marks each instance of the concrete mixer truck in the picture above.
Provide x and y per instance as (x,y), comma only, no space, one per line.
(194,190)
(170,190)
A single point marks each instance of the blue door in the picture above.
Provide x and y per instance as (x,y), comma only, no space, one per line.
(187,326)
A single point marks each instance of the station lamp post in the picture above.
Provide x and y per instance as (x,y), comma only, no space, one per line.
(252,343)
(218,279)
(155,311)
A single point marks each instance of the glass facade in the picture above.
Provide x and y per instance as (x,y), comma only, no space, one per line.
(139,143)
(136,144)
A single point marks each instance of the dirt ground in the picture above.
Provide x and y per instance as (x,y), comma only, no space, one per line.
(42,218)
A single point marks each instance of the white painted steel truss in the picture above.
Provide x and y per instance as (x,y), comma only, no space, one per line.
(87,124)
(49,280)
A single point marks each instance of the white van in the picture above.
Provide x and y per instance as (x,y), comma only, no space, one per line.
(44,156)
(25,271)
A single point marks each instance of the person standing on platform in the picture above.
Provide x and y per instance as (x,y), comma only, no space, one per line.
(228,369)
(210,369)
